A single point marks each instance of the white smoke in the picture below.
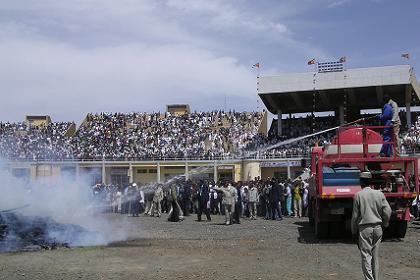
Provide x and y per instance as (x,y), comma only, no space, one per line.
(65,201)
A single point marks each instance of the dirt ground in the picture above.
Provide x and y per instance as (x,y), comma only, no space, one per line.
(257,249)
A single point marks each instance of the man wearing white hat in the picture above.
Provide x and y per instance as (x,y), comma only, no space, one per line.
(371,212)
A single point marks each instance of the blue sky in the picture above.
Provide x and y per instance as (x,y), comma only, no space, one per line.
(68,58)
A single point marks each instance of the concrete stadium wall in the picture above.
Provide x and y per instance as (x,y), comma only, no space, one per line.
(147,172)
(251,170)
(147,177)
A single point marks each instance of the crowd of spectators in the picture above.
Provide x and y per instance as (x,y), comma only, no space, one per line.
(22,141)
(116,136)
(293,128)
(411,139)
(153,136)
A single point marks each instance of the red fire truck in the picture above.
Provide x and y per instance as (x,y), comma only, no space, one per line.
(334,180)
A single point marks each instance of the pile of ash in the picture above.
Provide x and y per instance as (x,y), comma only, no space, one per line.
(27,233)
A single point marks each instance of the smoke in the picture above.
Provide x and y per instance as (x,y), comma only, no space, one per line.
(62,207)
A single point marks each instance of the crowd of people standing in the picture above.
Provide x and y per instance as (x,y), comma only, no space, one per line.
(270,199)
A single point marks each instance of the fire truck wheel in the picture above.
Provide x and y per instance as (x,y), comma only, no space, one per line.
(321,230)
(400,229)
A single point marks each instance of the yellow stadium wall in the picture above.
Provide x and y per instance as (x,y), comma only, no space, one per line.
(251,170)
(144,177)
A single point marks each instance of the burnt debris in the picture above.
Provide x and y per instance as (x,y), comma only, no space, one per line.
(28,233)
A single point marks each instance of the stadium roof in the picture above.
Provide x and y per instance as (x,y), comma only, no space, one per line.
(361,88)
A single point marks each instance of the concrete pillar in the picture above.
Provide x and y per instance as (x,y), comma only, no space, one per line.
(158,172)
(279,124)
(408,105)
(187,174)
(341,114)
(130,173)
(408,112)
(103,173)
(289,173)
(77,171)
(379,95)
(215,172)
(34,172)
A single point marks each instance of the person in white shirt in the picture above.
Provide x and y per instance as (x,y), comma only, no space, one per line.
(305,197)
(253,201)
(228,200)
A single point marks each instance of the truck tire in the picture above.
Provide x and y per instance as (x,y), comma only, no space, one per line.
(321,230)
(400,229)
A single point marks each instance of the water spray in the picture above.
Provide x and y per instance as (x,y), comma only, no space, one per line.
(242,154)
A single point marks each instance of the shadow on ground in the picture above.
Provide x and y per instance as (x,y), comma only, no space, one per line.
(337,235)
(307,235)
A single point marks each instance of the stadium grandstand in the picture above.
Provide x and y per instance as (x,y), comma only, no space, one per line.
(119,148)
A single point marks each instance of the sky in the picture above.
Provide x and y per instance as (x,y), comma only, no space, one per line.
(68,58)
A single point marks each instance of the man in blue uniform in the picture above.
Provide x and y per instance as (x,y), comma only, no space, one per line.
(390,117)
(386,119)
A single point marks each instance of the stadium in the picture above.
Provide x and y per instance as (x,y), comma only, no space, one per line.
(209,139)
(121,148)
(135,162)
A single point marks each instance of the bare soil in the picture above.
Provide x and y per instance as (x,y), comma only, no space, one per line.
(157,249)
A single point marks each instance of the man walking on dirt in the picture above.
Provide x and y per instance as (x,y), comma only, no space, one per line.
(371,212)
(229,199)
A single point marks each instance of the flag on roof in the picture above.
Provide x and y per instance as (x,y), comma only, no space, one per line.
(256,65)
(405,55)
(343,59)
(312,61)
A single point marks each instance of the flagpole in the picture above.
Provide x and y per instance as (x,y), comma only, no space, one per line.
(258,71)
(258,80)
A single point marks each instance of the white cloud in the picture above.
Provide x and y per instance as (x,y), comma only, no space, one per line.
(67,58)
(337,3)
(59,79)
(223,15)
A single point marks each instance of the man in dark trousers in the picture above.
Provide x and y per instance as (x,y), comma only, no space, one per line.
(266,197)
(203,200)
(371,212)
(186,198)
(274,198)
(238,204)
(174,215)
